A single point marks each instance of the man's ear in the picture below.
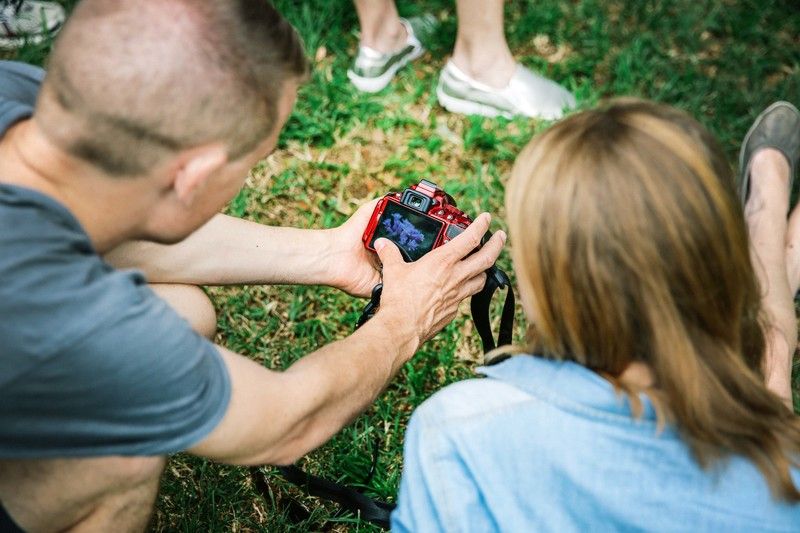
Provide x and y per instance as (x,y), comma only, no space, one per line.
(193,169)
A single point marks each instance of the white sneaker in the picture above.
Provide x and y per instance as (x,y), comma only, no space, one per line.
(31,21)
(527,94)
(372,70)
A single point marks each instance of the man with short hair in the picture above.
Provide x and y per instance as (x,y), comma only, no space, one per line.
(142,132)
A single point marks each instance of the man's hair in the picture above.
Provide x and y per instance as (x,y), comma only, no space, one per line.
(131,81)
(631,244)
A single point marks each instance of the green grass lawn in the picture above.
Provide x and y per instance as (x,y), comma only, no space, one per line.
(721,60)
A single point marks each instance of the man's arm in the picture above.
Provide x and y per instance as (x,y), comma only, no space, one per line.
(277,417)
(232,251)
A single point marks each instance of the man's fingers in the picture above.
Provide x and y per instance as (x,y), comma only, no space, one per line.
(470,239)
(388,252)
(472,286)
(485,257)
(366,209)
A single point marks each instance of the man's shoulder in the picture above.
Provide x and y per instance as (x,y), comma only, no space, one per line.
(44,248)
(92,362)
(55,287)
(35,224)
(19,87)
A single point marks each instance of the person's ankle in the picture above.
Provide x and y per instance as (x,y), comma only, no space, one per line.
(769,176)
(770,161)
(492,69)
(389,37)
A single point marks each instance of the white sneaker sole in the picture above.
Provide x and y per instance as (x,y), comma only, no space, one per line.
(10,43)
(468,107)
(374,85)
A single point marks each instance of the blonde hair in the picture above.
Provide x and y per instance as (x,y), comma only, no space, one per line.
(629,245)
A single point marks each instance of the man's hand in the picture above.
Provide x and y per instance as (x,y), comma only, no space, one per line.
(354,269)
(426,293)
(311,400)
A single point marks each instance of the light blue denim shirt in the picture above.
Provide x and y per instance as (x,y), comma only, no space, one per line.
(548,446)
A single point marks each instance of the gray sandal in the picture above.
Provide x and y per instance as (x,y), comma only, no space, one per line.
(778,127)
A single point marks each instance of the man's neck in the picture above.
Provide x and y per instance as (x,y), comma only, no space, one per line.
(110,210)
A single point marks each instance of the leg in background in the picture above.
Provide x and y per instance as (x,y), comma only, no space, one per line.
(96,494)
(387,45)
(191,303)
(380,25)
(793,251)
(483,78)
(481,50)
(765,214)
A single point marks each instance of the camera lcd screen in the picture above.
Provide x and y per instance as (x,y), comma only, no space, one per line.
(410,230)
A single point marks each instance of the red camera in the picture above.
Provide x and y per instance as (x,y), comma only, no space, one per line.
(417,221)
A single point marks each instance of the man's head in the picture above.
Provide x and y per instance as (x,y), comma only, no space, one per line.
(184,87)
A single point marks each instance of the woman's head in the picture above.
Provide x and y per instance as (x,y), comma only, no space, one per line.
(624,218)
(629,245)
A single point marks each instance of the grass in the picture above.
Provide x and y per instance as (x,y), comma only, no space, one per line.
(722,61)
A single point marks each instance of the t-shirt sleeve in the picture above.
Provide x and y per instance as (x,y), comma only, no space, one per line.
(154,385)
(19,87)
(96,364)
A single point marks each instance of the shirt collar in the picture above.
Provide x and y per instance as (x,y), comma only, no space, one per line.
(565,383)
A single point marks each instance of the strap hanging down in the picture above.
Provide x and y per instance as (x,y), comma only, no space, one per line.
(480,303)
(376,511)
(370,510)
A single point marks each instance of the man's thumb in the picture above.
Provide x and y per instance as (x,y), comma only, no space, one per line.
(388,252)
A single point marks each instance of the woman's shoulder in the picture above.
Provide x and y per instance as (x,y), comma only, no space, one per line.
(473,397)
(533,390)
(503,387)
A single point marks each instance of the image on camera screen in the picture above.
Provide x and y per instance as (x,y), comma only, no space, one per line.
(408,229)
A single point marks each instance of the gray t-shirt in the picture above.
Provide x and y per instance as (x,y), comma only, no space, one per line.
(92,362)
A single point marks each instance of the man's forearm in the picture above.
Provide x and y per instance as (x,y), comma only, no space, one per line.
(232,251)
(350,378)
(276,417)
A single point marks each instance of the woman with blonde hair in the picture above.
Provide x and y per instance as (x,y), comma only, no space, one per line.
(655,393)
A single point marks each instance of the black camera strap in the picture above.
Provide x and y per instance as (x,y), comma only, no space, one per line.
(479,306)
(371,510)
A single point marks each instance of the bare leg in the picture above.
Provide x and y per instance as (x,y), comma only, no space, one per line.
(793,251)
(765,213)
(98,494)
(481,50)
(380,25)
(191,303)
